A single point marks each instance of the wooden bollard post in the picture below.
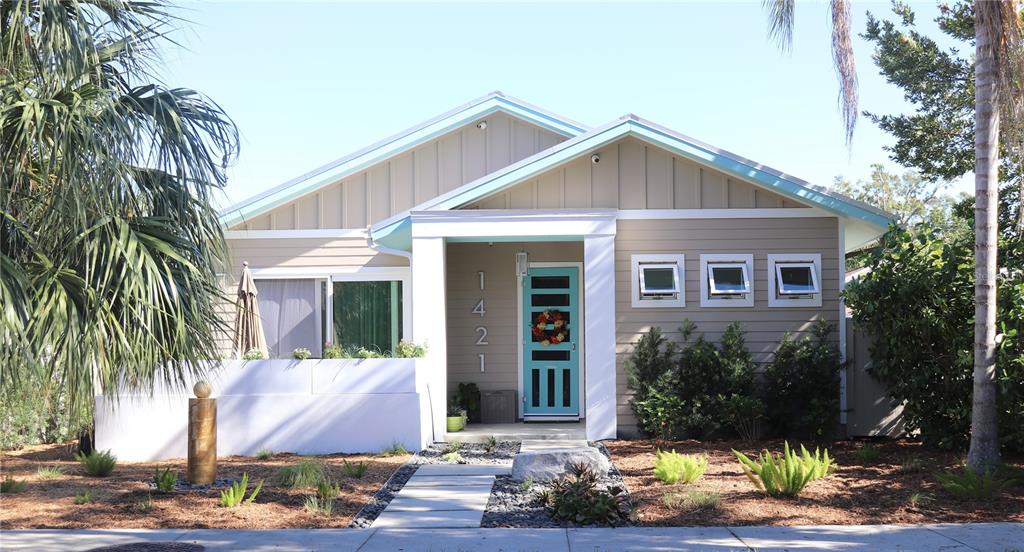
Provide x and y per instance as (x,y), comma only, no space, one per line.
(202,436)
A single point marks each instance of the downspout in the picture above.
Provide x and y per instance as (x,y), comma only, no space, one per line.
(408,256)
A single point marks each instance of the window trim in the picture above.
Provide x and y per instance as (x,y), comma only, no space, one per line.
(642,299)
(712,298)
(782,299)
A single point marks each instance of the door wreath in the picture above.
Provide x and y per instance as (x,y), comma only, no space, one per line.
(559,331)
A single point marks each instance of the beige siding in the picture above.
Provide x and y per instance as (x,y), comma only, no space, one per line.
(633,175)
(764,326)
(464,261)
(295,252)
(408,179)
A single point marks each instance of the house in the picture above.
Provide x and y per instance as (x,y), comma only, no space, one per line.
(529,252)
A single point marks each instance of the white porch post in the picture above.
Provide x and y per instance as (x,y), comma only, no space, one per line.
(599,320)
(428,323)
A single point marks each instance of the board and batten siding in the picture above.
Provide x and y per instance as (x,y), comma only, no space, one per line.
(634,175)
(764,326)
(319,253)
(406,180)
(500,295)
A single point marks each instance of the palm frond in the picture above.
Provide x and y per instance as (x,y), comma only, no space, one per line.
(845,65)
(781,21)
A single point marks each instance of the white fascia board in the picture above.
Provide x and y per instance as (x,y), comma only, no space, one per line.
(395,145)
(766,212)
(362,233)
(338,272)
(530,225)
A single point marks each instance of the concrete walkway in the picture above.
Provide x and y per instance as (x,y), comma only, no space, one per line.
(995,537)
(442,496)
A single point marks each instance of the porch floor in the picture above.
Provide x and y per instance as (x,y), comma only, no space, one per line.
(478,433)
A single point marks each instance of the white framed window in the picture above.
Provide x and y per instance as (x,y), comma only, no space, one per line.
(657,280)
(794,280)
(726,280)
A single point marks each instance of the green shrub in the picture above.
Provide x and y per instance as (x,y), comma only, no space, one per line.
(408,349)
(527,484)
(97,463)
(967,484)
(802,386)
(491,444)
(84,497)
(301,353)
(354,469)
(396,449)
(467,396)
(334,351)
(11,485)
(683,390)
(787,474)
(319,506)
(454,445)
(365,353)
(453,458)
(38,410)
(926,361)
(307,473)
(46,473)
(253,354)
(672,467)
(265,454)
(576,498)
(235,495)
(743,414)
(165,480)
(328,490)
(867,453)
(692,501)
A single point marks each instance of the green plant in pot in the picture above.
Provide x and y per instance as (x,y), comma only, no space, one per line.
(468,397)
(456,417)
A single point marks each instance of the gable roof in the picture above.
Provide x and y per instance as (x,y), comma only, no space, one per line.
(392,231)
(408,139)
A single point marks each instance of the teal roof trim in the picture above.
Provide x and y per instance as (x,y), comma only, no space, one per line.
(395,145)
(683,146)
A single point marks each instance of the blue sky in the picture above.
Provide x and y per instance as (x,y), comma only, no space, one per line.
(309,82)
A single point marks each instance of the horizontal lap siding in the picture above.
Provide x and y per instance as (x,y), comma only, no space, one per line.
(464,261)
(764,327)
(411,177)
(320,253)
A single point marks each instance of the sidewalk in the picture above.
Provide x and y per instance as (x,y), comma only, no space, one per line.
(997,537)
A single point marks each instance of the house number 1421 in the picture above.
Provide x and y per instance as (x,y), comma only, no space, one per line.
(481,330)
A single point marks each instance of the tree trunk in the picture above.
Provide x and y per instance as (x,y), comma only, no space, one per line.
(984,451)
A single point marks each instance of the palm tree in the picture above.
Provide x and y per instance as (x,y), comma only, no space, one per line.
(998,74)
(110,249)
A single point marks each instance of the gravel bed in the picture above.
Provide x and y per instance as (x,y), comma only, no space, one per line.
(517,504)
(472,453)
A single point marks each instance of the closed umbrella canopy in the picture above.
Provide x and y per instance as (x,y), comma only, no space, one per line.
(248,329)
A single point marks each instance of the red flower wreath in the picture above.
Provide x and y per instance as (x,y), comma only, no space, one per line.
(559,331)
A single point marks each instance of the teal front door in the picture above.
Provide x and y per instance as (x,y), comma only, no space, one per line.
(550,342)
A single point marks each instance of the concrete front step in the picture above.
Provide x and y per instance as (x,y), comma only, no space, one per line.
(463,469)
(449,480)
(549,444)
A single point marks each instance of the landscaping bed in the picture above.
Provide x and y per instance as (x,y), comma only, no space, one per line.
(125,499)
(899,486)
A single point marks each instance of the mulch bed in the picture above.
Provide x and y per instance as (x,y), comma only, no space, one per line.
(870,492)
(50,503)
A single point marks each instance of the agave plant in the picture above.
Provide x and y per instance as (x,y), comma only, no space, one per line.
(109,245)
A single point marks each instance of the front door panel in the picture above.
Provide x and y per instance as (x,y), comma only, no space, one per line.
(550,341)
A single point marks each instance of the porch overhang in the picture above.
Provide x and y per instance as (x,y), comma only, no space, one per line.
(512,225)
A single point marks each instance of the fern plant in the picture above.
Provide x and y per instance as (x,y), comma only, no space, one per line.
(97,463)
(164,480)
(672,467)
(235,494)
(787,474)
(970,485)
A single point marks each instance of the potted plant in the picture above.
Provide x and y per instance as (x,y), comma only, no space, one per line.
(456,417)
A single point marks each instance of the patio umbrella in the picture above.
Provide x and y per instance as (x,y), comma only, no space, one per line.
(248,330)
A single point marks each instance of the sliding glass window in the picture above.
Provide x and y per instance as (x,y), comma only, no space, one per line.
(368,315)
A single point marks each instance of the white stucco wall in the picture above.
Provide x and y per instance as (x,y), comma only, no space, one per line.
(305,407)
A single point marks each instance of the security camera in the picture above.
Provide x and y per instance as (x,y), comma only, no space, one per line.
(595,159)
(481,125)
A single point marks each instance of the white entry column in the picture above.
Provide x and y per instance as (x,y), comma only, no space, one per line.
(599,320)
(429,324)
